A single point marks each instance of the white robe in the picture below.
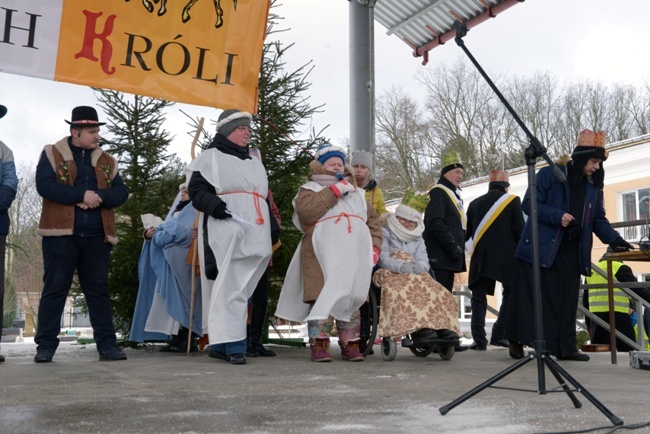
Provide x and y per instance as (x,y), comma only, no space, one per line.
(343,248)
(241,245)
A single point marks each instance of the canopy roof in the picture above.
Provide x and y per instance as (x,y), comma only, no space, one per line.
(425,24)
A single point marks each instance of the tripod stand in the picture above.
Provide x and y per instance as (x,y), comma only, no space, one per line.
(540,354)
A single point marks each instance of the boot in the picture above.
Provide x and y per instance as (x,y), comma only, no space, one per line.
(176,339)
(320,350)
(258,321)
(350,351)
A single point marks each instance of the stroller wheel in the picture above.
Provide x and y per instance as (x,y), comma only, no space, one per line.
(388,349)
(421,350)
(446,352)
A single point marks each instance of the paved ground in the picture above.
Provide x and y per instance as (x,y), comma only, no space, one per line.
(166,393)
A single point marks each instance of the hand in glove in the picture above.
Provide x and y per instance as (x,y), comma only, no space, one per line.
(620,245)
(419,268)
(407,268)
(458,254)
(375,255)
(220,212)
(342,188)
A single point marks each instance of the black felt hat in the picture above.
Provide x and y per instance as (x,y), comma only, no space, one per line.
(84,116)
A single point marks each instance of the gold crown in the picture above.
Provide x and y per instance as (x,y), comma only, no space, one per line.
(451,157)
(589,138)
(499,176)
(417,201)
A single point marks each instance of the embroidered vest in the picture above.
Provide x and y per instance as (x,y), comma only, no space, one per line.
(57,219)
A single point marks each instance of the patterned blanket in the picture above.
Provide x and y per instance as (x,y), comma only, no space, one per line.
(410,302)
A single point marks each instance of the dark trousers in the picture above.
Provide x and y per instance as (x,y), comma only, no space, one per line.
(3,247)
(445,278)
(61,257)
(480,291)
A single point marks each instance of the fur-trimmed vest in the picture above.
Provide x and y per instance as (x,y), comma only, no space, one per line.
(57,219)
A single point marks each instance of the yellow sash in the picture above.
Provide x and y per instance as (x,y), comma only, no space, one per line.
(487,220)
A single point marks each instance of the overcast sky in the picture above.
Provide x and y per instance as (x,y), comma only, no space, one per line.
(573,39)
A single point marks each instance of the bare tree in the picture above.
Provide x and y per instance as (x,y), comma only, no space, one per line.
(403,144)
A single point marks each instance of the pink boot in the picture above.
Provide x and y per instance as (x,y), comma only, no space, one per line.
(320,350)
(351,352)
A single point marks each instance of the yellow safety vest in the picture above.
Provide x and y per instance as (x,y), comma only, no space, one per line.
(598,297)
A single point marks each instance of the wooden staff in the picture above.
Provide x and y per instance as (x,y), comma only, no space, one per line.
(194,246)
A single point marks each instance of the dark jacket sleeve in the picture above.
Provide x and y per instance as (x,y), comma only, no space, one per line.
(114,196)
(204,196)
(49,188)
(435,222)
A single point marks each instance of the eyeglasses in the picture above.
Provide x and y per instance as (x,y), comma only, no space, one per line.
(406,222)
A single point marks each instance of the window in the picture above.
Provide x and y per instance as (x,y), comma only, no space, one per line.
(636,206)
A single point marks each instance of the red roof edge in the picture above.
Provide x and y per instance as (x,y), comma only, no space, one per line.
(423,51)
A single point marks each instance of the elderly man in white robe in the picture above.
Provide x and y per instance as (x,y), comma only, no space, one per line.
(235,234)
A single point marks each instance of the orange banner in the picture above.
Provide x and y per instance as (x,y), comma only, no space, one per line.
(204,52)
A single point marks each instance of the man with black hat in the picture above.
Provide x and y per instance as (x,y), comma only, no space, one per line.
(80,186)
(568,214)
(8,188)
(494,225)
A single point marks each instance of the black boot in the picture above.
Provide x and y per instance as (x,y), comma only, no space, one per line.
(258,321)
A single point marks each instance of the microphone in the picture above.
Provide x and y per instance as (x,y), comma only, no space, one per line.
(339,176)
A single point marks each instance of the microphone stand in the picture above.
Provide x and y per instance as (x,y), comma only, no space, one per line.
(540,354)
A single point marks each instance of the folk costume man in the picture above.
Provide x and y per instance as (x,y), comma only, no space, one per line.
(445,222)
(568,214)
(8,189)
(494,224)
(230,188)
(80,186)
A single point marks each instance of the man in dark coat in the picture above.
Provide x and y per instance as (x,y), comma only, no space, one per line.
(80,185)
(445,221)
(568,214)
(494,224)
(8,189)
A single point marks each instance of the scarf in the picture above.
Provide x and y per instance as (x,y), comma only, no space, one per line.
(403,234)
(324,180)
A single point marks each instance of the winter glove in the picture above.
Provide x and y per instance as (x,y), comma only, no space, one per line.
(342,188)
(458,255)
(220,212)
(419,268)
(620,245)
(407,268)
(573,230)
(375,255)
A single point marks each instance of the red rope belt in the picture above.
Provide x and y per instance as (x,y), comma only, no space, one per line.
(338,218)
(256,199)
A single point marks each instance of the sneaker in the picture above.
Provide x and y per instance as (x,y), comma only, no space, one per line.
(112,353)
(351,353)
(43,356)
(320,350)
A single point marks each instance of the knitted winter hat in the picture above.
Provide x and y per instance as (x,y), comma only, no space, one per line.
(231,119)
(3,110)
(363,158)
(590,145)
(327,151)
(450,161)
